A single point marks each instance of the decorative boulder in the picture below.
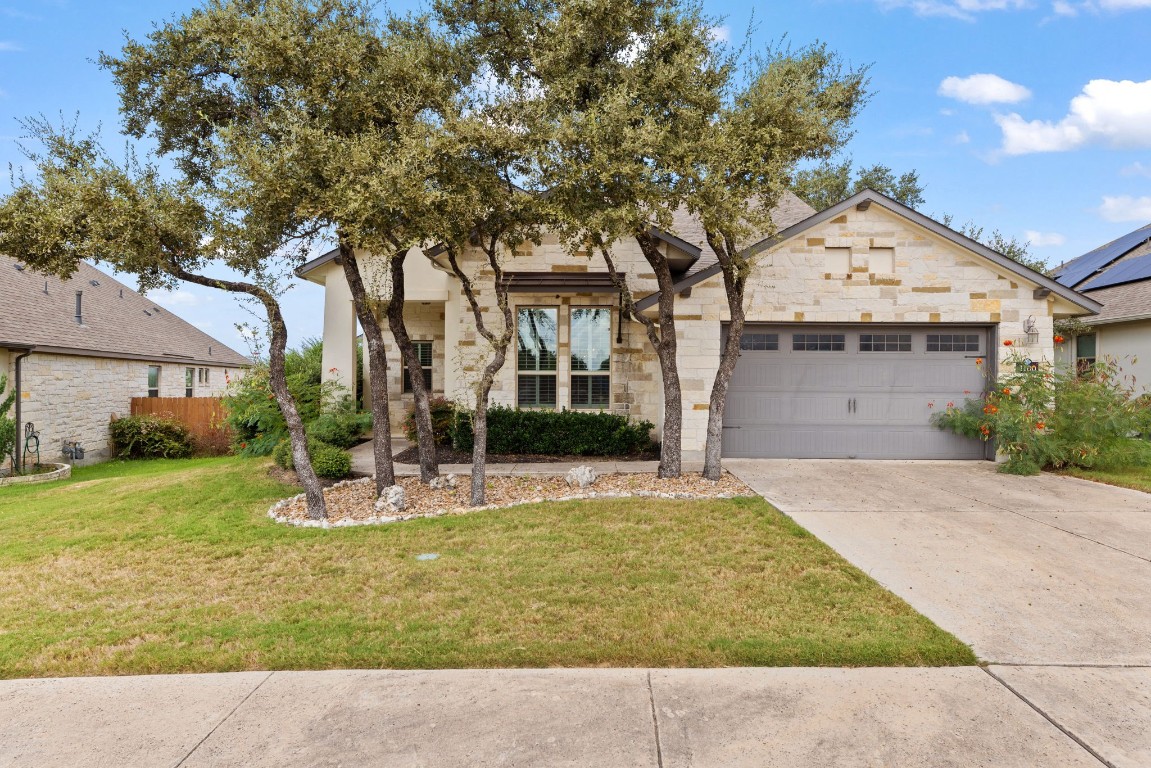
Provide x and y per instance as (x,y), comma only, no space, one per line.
(582,477)
(391,501)
(441,483)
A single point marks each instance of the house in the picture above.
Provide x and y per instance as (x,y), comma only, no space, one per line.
(862,319)
(1118,276)
(84,347)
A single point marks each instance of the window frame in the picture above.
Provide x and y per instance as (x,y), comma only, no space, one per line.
(538,374)
(189,382)
(837,342)
(406,379)
(882,342)
(589,374)
(1084,366)
(952,344)
(154,391)
(756,341)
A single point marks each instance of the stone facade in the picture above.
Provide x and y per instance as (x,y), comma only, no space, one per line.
(73,398)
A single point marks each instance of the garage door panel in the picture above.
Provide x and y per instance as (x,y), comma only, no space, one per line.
(850,403)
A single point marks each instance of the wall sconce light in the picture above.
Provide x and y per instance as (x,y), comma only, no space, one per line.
(1031,331)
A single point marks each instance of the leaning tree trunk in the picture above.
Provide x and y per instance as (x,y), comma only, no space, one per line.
(277,379)
(377,369)
(735,269)
(671,448)
(426,437)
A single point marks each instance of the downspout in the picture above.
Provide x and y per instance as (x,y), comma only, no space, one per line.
(18,449)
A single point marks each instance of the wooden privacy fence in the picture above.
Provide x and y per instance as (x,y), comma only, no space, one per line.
(203,416)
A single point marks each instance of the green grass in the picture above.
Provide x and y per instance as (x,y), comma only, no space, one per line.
(173,566)
(1138,478)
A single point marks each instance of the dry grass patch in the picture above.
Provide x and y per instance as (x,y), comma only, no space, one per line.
(173,566)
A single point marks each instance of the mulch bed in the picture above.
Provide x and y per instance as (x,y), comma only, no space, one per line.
(445,455)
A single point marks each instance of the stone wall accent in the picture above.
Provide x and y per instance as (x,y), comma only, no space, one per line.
(72,399)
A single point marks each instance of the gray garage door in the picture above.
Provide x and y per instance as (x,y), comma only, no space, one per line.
(862,392)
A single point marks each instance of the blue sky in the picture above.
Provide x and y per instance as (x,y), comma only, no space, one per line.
(1031,117)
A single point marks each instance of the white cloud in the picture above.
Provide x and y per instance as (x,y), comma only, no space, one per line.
(1064,8)
(962,138)
(1126,208)
(956,9)
(1109,112)
(1124,5)
(8,45)
(1043,239)
(1136,169)
(983,89)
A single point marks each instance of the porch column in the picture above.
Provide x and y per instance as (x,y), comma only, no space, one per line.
(339,358)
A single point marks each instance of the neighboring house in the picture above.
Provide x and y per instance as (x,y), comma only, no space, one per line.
(86,346)
(863,319)
(1118,276)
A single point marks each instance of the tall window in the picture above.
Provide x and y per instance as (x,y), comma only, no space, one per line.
(202,375)
(153,381)
(1085,353)
(424,352)
(536,350)
(591,358)
(189,381)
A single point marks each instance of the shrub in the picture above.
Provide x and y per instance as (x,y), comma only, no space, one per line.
(556,433)
(327,460)
(150,437)
(341,425)
(443,412)
(1055,419)
(7,424)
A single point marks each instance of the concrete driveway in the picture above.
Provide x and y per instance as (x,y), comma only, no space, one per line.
(1048,578)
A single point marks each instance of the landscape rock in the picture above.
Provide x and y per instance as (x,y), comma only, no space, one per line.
(441,483)
(392,500)
(582,477)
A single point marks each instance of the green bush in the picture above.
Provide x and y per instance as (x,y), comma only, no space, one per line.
(341,425)
(556,433)
(1045,418)
(150,437)
(7,424)
(443,412)
(327,460)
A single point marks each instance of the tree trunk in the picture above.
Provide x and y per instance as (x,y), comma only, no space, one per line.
(377,369)
(735,269)
(429,464)
(671,446)
(277,379)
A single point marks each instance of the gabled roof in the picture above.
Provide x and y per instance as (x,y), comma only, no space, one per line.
(1080,272)
(868,197)
(38,310)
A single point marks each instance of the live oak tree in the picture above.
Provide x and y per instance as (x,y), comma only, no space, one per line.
(321,102)
(830,182)
(80,204)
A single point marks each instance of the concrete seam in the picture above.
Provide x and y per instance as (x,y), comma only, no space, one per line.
(654,722)
(1066,731)
(216,727)
(1065,665)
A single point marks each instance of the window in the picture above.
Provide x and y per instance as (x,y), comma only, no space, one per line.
(818,342)
(1085,353)
(953,342)
(591,358)
(885,342)
(153,381)
(202,376)
(536,350)
(424,352)
(189,381)
(837,261)
(759,342)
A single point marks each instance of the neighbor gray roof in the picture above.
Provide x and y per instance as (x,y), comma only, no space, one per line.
(118,321)
(1129,301)
(869,196)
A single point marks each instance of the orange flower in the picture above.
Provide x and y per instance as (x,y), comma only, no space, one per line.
(979,361)
(989,408)
(1058,339)
(1007,390)
(1007,342)
(1040,425)
(951,405)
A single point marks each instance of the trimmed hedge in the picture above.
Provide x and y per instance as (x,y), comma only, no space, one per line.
(556,433)
(443,413)
(150,437)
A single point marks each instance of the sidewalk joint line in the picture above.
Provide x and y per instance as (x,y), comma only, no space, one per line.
(1065,665)
(654,722)
(1066,731)
(208,735)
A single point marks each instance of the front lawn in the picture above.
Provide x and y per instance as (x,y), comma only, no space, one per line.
(173,566)
(1138,478)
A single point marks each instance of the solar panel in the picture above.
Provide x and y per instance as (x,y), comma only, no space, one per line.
(1128,271)
(1089,263)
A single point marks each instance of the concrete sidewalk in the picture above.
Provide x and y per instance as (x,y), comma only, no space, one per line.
(958,717)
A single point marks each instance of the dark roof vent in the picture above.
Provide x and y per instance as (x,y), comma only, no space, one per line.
(146,312)
(79,307)
(19,267)
(156,310)
(94,283)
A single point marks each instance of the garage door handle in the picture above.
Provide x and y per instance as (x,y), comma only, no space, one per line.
(733,427)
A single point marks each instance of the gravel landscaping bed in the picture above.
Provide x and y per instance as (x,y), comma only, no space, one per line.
(353,502)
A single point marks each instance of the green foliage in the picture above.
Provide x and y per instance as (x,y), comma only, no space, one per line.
(340,424)
(829,183)
(1010,247)
(443,412)
(327,460)
(556,433)
(7,424)
(150,437)
(1058,419)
